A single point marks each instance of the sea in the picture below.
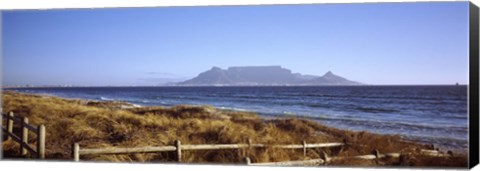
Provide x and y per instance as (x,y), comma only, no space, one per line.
(428,114)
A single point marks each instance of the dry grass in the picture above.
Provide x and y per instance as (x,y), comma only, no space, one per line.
(107,124)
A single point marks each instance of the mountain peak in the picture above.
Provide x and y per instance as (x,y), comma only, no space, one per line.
(329,73)
(216,68)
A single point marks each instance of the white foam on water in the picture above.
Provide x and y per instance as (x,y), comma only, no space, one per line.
(106,99)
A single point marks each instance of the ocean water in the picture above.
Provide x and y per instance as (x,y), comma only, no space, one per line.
(429,114)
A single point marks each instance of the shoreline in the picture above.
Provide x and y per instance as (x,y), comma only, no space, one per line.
(283,126)
(267,116)
(412,139)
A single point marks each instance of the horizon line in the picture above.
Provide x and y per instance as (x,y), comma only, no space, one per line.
(119,86)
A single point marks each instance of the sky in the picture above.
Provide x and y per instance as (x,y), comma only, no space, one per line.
(373,43)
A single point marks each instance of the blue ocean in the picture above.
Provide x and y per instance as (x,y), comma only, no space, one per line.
(428,114)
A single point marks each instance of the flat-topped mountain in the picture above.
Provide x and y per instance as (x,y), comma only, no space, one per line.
(262,75)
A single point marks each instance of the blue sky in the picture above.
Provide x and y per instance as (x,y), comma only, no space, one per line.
(374,43)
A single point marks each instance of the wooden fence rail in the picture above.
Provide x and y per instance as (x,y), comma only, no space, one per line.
(312,162)
(25,148)
(178,148)
(323,159)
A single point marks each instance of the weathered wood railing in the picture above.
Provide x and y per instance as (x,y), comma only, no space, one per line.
(178,148)
(312,162)
(25,147)
(323,159)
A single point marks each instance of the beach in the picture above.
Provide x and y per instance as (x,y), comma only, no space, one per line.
(101,124)
(428,114)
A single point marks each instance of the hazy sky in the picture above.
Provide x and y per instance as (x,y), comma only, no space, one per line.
(379,43)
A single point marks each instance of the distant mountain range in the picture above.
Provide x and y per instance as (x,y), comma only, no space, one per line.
(262,76)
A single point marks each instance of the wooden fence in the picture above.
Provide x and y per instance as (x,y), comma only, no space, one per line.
(25,147)
(178,148)
(39,151)
(324,158)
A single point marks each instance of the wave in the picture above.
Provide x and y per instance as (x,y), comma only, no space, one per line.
(105,99)
(234,109)
(136,105)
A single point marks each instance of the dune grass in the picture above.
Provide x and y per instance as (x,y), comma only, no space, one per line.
(96,124)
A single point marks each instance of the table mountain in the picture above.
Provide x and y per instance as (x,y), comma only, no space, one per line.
(262,76)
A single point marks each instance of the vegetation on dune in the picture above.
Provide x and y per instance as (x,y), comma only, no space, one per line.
(96,124)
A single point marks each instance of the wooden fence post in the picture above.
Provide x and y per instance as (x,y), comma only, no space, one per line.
(24,136)
(9,125)
(248,161)
(41,142)
(325,157)
(304,148)
(178,145)
(376,153)
(249,151)
(76,152)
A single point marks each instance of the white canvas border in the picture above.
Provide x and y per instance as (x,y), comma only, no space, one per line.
(68,4)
